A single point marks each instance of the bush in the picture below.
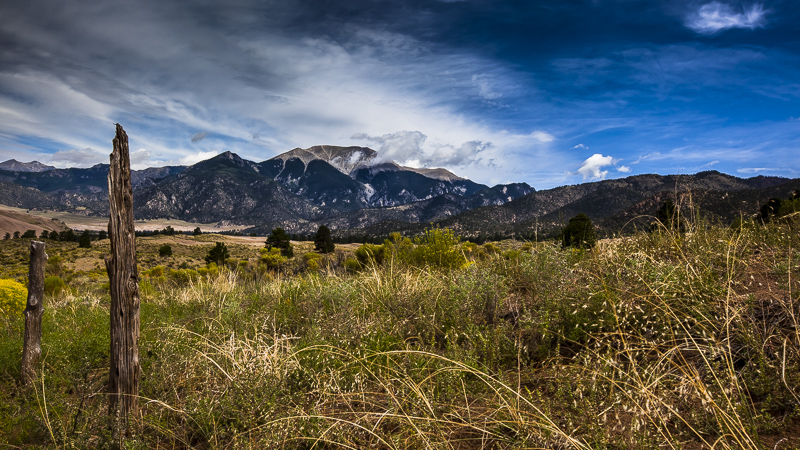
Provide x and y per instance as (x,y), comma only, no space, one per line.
(312,261)
(53,285)
(272,258)
(370,254)
(351,265)
(13,297)
(436,248)
(165,250)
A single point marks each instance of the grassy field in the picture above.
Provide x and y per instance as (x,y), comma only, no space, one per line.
(664,340)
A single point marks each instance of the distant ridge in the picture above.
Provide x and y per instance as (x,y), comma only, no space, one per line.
(16,166)
(348,189)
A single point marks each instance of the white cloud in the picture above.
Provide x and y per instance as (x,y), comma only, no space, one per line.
(752,170)
(401,146)
(581,146)
(195,158)
(715,16)
(78,158)
(624,169)
(141,159)
(591,167)
(467,153)
(485,88)
(543,136)
(408,148)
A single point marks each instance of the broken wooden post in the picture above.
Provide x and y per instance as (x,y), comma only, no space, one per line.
(32,344)
(123,278)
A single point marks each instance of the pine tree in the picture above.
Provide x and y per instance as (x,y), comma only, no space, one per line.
(217,255)
(280,240)
(322,240)
(85,240)
(579,232)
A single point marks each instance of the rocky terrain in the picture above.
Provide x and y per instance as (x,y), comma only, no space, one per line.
(353,192)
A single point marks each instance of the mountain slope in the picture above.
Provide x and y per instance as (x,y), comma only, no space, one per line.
(15,166)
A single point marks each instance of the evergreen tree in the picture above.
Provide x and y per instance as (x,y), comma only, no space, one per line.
(7,236)
(102,235)
(67,235)
(16,235)
(85,240)
(579,232)
(29,234)
(54,235)
(197,231)
(322,240)
(218,254)
(44,235)
(280,240)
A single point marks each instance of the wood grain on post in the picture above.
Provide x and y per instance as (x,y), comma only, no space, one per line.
(124,282)
(32,345)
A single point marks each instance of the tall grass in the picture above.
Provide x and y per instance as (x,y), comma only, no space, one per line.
(668,339)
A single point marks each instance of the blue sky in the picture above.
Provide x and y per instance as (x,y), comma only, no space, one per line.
(545,92)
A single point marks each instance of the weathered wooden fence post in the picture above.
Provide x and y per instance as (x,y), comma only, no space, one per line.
(32,345)
(124,281)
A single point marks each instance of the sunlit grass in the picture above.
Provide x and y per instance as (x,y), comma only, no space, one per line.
(662,340)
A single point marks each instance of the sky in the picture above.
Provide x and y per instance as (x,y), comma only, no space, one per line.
(549,92)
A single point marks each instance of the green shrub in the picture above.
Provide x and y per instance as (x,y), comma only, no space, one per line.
(272,258)
(183,276)
(211,270)
(154,272)
(352,265)
(370,254)
(13,297)
(438,248)
(312,261)
(165,250)
(53,285)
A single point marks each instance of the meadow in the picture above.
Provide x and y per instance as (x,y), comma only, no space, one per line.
(671,339)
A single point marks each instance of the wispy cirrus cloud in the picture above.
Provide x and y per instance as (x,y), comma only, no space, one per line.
(717,16)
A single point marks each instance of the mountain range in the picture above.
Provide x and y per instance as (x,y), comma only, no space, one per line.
(354,191)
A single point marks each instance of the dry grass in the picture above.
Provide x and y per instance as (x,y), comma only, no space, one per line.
(663,340)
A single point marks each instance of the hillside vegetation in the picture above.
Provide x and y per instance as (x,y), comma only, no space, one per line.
(678,339)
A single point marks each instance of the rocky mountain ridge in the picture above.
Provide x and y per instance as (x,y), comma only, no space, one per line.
(346,189)
(298,190)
